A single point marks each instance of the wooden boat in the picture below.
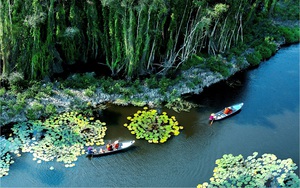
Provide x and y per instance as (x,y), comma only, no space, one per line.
(234,108)
(122,146)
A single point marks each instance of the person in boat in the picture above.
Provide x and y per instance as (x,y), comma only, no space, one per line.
(116,144)
(212,116)
(109,147)
(227,110)
(90,150)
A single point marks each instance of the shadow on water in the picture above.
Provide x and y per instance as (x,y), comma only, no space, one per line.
(110,117)
(223,93)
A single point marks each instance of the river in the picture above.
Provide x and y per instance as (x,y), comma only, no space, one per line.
(267,123)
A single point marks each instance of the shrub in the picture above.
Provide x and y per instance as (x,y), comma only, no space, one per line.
(47,88)
(193,61)
(264,51)
(50,109)
(254,58)
(216,64)
(17,82)
(69,92)
(163,84)
(90,91)
(78,81)
(291,35)
(2,91)
(151,82)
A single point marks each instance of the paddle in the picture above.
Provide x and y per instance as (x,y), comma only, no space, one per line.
(211,122)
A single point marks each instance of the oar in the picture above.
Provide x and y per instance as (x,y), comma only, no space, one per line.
(211,122)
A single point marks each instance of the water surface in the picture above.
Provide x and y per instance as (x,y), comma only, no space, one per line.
(268,123)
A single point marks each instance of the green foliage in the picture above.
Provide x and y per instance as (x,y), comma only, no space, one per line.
(254,58)
(16,81)
(265,52)
(50,109)
(153,127)
(2,91)
(90,91)
(287,10)
(265,48)
(36,106)
(64,137)
(163,84)
(291,35)
(216,64)
(132,38)
(193,61)
(151,82)
(5,159)
(179,105)
(80,81)
(266,171)
(69,92)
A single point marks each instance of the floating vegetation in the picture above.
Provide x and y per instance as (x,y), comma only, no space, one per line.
(267,171)
(153,127)
(5,162)
(61,137)
(5,158)
(179,105)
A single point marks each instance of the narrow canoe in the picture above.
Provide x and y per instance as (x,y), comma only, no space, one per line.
(235,108)
(122,146)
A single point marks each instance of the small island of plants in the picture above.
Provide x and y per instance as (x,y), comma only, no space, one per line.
(156,128)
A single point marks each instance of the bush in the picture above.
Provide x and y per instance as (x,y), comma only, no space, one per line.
(90,91)
(50,109)
(216,64)
(78,81)
(151,82)
(291,35)
(254,58)
(163,84)
(264,51)
(17,82)
(193,61)
(2,91)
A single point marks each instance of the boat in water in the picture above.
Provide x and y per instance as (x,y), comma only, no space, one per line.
(228,111)
(102,150)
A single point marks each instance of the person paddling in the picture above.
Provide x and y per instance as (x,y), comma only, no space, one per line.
(212,118)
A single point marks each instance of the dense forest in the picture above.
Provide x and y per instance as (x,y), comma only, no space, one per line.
(125,38)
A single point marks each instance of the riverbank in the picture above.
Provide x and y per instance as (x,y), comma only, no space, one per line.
(67,99)
(86,92)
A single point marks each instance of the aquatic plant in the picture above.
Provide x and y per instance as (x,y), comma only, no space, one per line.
(266,171)
(60,137)
(5,162)
(156,128)
(5,157)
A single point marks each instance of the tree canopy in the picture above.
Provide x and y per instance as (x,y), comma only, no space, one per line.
(131,38)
